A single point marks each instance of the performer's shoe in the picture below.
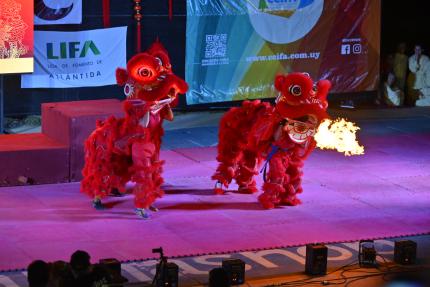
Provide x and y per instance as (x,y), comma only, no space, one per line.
(153,208)
(97,204)
(141,212)
(218,188)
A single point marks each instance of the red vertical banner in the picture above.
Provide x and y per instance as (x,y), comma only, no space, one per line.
(106,13)
(138,18)
(16,36)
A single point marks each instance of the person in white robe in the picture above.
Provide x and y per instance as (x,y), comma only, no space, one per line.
(393,95)
(419,65)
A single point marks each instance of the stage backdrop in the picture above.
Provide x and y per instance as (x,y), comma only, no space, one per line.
(77,59)
(236,47)
(54,12)
(16,36)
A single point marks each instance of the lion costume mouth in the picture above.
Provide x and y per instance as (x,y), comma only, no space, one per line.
(167,85)
(154,108)
(300,129)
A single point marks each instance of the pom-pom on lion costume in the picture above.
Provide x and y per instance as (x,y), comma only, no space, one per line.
(277,138)
(126,150)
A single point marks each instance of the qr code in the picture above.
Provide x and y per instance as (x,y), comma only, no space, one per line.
(216,46)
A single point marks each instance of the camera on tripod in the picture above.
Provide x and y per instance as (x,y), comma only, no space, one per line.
(166,274)
(158,250)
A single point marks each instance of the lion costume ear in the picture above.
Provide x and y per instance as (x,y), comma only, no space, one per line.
(121,76)
(279,82)
(323,86)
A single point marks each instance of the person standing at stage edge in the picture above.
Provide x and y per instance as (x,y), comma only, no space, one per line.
(419,65)
(400,66)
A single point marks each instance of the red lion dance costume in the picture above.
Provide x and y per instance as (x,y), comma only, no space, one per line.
(123,150)
(280,135)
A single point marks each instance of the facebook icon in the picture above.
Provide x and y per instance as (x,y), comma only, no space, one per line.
(345,49)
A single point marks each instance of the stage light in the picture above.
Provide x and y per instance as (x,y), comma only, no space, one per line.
(235,269)
(405,252)
(218,277)
(167,275)
(367,253)
(316,259)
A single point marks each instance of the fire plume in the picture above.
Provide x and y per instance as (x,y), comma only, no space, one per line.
(339,135)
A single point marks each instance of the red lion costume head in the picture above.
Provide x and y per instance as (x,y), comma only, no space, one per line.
(149,78)
(302,103)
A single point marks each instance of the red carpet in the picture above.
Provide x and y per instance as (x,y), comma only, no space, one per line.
(384,193)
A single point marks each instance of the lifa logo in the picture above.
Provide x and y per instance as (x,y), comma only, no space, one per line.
(58,11)
(71,50)
(345,49)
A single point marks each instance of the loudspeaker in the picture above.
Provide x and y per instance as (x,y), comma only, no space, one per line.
(405,252)
(112,264)
(167,275)
(235,269)
(218,277)
(367,253)
(316,259)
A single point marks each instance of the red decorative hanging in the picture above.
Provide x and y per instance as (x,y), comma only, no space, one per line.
(106,13)
(170,9)
(138,18)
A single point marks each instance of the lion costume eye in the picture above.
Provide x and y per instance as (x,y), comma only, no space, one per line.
(144,72)
(314,90)
(295,90)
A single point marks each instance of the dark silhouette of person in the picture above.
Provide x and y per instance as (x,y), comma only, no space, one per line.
(38,274)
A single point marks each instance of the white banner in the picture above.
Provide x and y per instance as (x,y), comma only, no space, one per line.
(77,59)
(54,12)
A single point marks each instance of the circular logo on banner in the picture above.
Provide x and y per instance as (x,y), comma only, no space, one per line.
(52,10)
(284,21)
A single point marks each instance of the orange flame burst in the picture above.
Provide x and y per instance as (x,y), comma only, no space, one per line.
(339,135)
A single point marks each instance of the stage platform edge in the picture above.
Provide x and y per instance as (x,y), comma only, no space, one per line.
(57,153)
(32,159)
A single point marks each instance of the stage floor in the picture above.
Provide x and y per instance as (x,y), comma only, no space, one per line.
(384,193)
